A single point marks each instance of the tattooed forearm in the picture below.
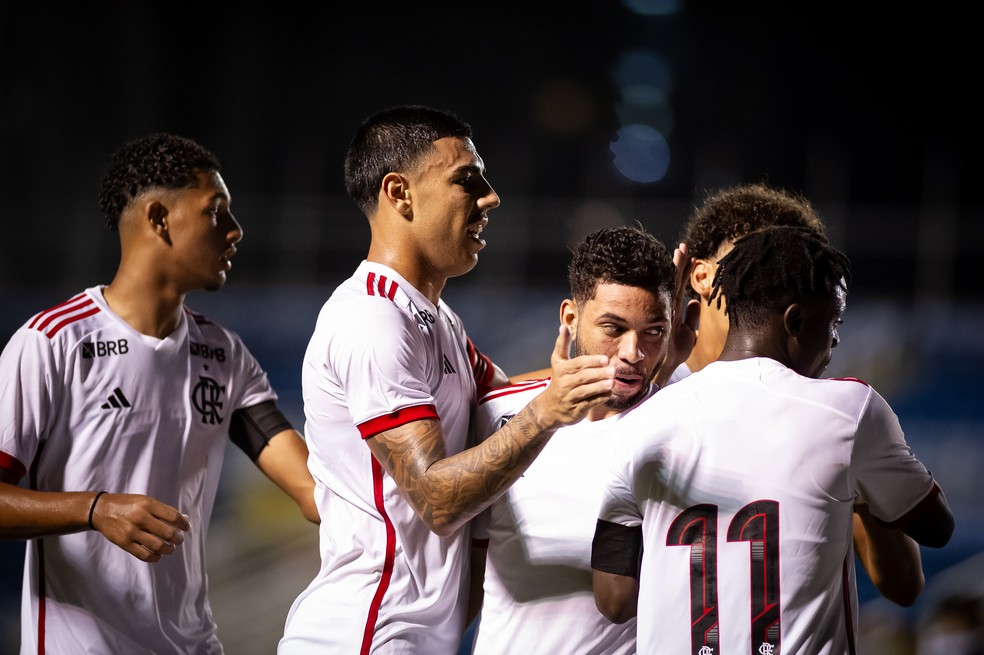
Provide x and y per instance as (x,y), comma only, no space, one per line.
(448,491)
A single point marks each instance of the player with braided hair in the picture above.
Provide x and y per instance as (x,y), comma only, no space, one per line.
(735,488)
(710,233)
(804,265)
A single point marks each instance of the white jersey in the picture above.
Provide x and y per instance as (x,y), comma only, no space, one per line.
(88,403)
(381,356)
(538,596)
(744,477)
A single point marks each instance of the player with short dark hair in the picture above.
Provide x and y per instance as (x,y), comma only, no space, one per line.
(118,404)
(727,519)
(533,545)
(390,378)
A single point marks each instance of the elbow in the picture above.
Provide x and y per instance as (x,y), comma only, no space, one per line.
(614,611)
(443,528)
(310,512)
(905,594)
(936,535)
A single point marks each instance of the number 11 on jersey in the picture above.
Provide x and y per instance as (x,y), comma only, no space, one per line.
(758,524)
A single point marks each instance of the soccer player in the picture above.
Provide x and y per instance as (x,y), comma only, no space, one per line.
(389,380)
(709,235)
(117,406)
(738,484)
(537,535)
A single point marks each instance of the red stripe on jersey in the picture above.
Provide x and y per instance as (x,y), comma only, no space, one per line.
(41,315)
(384,580)
(53,315)
(850,379)
(525,385)
(395,419)
(15,470)
(72,319)
(374,288)
(41,595)
(846,591)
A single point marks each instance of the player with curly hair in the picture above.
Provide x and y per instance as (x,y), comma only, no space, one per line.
(118,404)
(533,545)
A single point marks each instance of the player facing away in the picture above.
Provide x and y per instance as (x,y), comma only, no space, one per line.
(390,379)
(534,543)
(708,235)
(117,406)
(738,484)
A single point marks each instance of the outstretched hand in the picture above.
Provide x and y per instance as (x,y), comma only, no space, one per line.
(576,385)
(142,526)
(686,316)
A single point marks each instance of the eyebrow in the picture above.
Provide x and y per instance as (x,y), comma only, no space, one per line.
(608,316)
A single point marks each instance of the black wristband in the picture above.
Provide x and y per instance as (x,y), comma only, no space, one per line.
(92,508)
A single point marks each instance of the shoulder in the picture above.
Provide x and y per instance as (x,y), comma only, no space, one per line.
(68,317)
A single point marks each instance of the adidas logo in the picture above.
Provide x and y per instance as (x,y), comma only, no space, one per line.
(448,369)
(116,401)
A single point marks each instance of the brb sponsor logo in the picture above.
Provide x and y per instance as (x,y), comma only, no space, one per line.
(92,349)
(207,352)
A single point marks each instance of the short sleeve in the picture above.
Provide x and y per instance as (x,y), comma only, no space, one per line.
(29,388)
(618,501)
(380,362)
(888,476)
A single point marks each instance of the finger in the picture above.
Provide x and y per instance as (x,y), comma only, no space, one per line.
(678,254)
(562,347)
(692,314)
(589,368)
(172,517)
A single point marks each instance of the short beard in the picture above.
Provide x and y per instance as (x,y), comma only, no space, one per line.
(618,404)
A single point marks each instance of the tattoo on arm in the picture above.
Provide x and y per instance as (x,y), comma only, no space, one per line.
(446,491)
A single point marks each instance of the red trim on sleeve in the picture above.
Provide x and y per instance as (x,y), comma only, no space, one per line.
(395,419)
(851,379)
(13,467)
(480,543)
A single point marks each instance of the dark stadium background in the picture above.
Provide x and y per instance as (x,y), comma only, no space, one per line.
(586,113)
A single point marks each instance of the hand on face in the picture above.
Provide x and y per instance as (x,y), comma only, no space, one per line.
(577,384)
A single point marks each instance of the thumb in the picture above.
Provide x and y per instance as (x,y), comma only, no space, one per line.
(562,347)
(692,314)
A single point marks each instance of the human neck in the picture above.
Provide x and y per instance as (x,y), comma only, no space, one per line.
(147,307)
(426,281)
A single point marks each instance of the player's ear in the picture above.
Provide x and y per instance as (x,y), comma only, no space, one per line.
(702,277)
(155,213)
(568,316)
(395,191)
(792,320)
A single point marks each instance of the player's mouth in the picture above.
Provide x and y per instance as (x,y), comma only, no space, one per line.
(627,381)
(475,231)
(226,258)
